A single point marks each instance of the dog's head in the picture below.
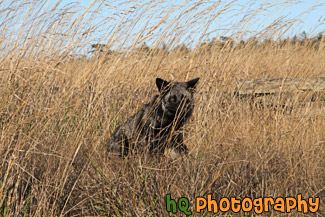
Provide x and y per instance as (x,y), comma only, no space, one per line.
(177,96)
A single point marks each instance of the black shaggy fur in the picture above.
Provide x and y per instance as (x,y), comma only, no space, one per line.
(156,126)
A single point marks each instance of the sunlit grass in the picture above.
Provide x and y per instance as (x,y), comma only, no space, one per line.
(58,110)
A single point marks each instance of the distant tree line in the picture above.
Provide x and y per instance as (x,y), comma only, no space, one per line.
(302,39)
(221,43)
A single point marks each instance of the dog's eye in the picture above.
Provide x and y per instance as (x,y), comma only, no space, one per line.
(172,99)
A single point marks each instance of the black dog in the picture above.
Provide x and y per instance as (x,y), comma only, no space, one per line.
(155,127)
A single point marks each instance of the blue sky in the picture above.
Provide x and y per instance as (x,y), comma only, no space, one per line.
(312,20)
(309,16)
(126,23)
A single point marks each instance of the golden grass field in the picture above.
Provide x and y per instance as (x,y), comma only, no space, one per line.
(57,114)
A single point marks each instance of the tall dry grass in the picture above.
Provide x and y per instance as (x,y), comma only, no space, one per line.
(57,112)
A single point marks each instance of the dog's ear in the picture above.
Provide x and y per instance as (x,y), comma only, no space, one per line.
(161,84)
(192,83)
